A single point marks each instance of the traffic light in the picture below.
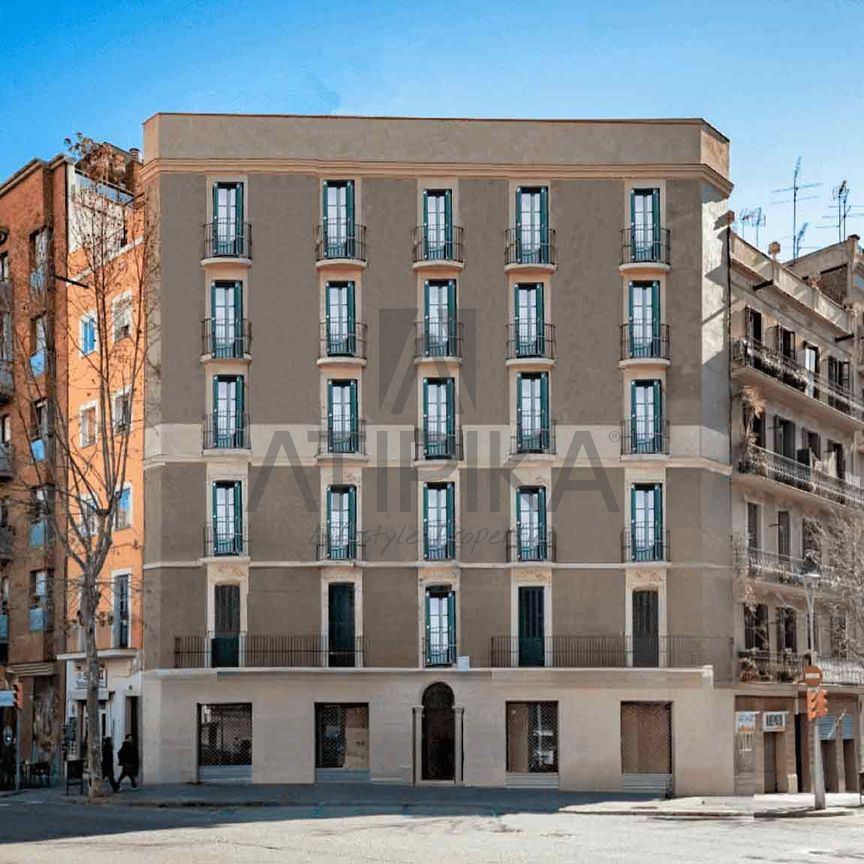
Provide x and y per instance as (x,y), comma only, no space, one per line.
(817,704)
(18,690)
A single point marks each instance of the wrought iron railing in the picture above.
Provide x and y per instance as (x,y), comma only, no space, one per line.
(644,341)
(530,544)
(228,539)
(226,432)
(340,239)
(253,650)
(533,438)
(343,339)
(754,664)
(526,340)
(445,244)
(224,339)
(647,542)
(339,546)
(439,648)
(333,441)
(800,475)
(645,244)
(531,247)
(749,352)
(775,567)
(842,670)
(643,436)
(438,339)
(227,238)
(432,444)
(439,543)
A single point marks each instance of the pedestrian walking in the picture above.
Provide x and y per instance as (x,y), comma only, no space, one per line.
(108,761)
(127,756)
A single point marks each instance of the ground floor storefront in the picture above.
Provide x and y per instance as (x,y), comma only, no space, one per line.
(668,731)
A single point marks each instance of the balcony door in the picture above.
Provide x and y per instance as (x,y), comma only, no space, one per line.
(342,420)
(439,322)
(644,319)
(529,314)
(439,423)
(341,339)
(646,522)
(228,218)
(645,224)
(341,522)
(532,409)
(438,223)
(226,319)
(225,646)
(531,523)
(338,213)
(645,417)
(340,623)
(440,626)
(227,518)
(532,629)
(646,629)
(228,424)
(438,505)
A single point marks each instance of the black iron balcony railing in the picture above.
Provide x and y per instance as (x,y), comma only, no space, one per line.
(7,460)
(225,539)
(257,651)
(842,670)
(439,543)
(227,238)
(343,339)
(645,244)
(334,545)
(526,246)
(644,436)
(445,244)
(648,542)
(533,438)
(7,380)
(755,664)
(801,475)
(749,352)
(526,340)
(645,341)
(615,651)
(527,543)
(224,339)
(438,339)
(434,444)
(7,542)
(336,440)
(777,567)
(439,648)
(226,432)
(340,239)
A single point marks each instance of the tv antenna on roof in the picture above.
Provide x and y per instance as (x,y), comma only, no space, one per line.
(795,188)
(755,218)
(796,241)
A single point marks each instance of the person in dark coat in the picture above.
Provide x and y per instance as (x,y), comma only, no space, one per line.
(127,756)
(108,761)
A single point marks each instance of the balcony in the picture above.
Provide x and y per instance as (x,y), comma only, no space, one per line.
(842,671)
(339,546)
(342,442)
(226,432)
(645,244)
(225,541)
(439,543)
(775,567)
(526,341)
(528,545)
(7,542)
(433,444)
(437,340)
(442,248)
(531,249)
(646,438)
(259,651)
(614,652)
(801,478)
(227,238)
(439,649)
(7,381)
(644,543)
(533,439)
(340,241)
(787,379)
(7,461)
(342,341)
(645,343)
(754,664)
(226,339)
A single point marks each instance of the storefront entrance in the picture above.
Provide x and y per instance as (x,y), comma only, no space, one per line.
(769,742)
(439,734)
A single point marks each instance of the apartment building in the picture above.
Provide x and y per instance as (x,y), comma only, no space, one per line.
(460,511)
(797,419)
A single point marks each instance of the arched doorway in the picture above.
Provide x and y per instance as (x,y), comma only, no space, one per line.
(439,734)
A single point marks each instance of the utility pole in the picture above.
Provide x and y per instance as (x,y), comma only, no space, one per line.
(817,774)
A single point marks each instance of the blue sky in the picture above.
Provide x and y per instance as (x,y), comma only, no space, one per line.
(780,79)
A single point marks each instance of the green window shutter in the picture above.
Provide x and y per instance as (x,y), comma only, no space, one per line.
(324,220)
(425,405)
(329,513)
(633,514)
(238,307)
(518,213)
(655,213)
(658,415)
(541,518)
(241,409)
(426,313)
(352,322)
(215,408)
(330,407)
(632,208)
(349,206)
(634,417)
(519,491)
(655,310)
(451,311)
(544,408)
(448,222)
(213,497)
(215,191)
(425,212)
(451,624)
(451,411)
(238,516)
(544,223)
(352,516)
(540,308)
(451,520)
(658,515)
(355,418)
(428,628)
(239,208)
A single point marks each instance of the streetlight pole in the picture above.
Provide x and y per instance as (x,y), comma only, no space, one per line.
(816,773)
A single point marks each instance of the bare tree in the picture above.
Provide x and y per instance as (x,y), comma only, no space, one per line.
(83,463)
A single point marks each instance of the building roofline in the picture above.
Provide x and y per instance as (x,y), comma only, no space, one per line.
(27,169)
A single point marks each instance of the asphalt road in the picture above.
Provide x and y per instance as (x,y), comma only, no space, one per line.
(51,831)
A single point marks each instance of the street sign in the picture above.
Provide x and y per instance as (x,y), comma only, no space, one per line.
(7,698)
(812,676)
(745,722)
(774,721)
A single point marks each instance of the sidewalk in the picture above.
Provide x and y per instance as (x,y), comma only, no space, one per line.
(419,799)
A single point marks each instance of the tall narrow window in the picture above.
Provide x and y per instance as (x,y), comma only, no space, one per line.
(121,308)
(341,326)
(532,629)
(123,511)
(646,522)
(228,227)
(39,260)
(87,420)
(7,337)
(754,514)
(343,428)
(787,629)
(440,626)
(533,429)
(338,219)
(529,324)
(88,333)
(39,600)
(439,319)
(120,627)
(644,320)
(225,646)
(38,342)
(229,426)
(646,417)
(38,429)
(340,622)
(784,534)
(439,418)
(342,523)
(532,541)
(532,225)
(226,321)
(811,367)
(227,518)
(645,242)
(756,627)
(439,529)
(438,224)
(646,629)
